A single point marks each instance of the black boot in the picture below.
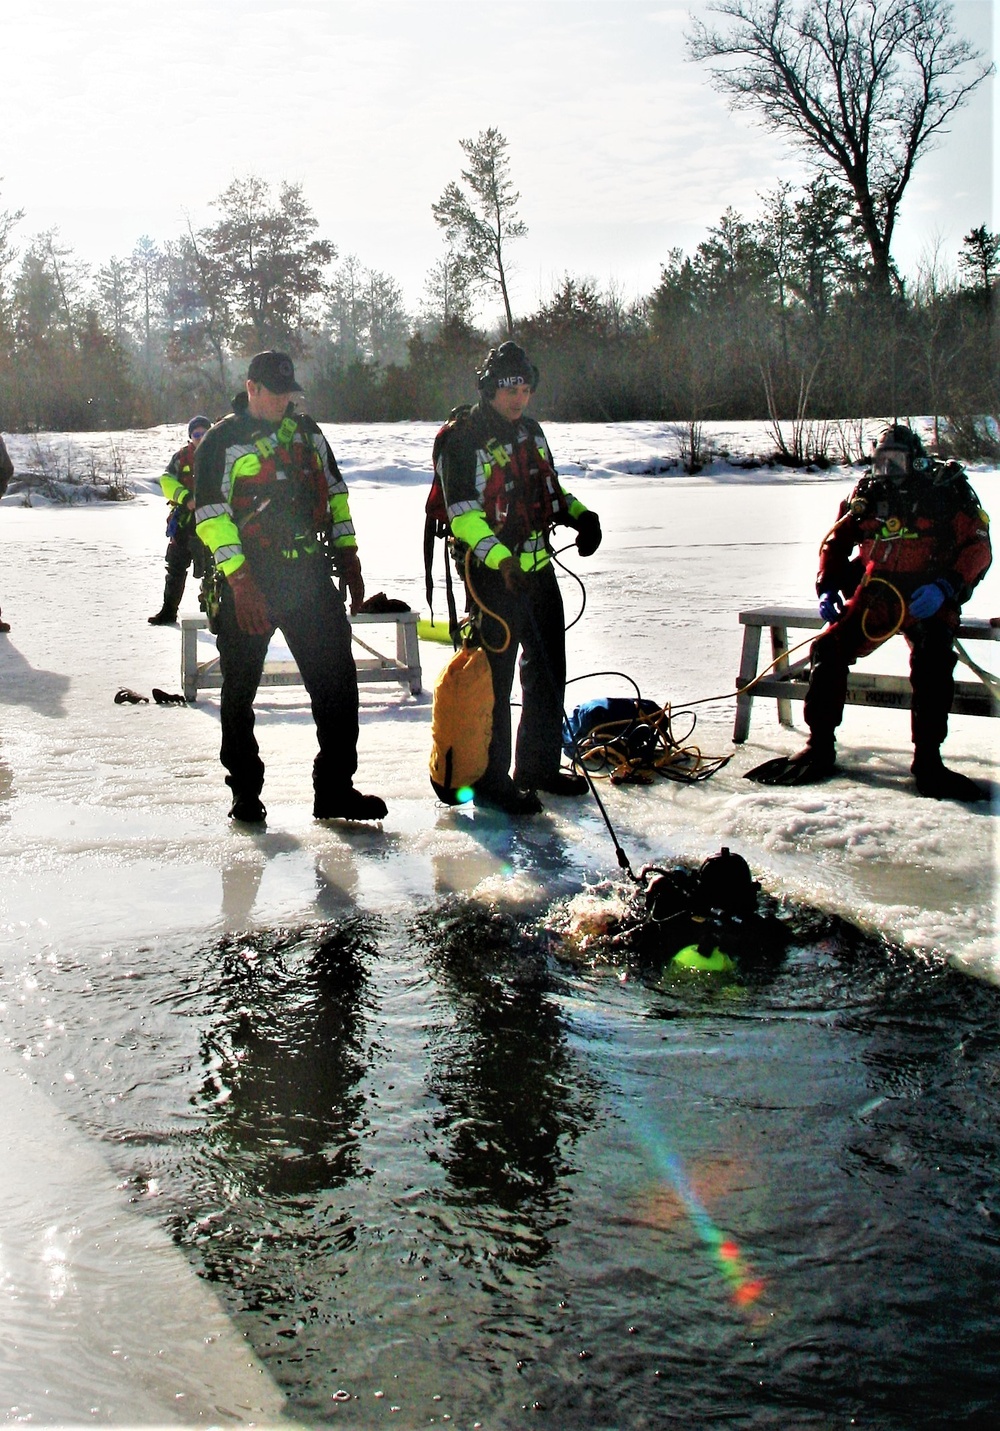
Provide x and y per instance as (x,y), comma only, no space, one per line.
(247,809)
(936,782)
(348,804)
(504,795)
(563,782)
(173,588)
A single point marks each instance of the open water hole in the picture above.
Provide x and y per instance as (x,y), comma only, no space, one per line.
(440,1177)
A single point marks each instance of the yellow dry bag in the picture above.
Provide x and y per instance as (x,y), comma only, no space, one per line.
(461,725)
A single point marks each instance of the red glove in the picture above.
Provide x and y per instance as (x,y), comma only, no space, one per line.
(348,565)
(252,616)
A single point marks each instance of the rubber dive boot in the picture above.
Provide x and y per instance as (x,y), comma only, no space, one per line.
(808,767)
(936,782)
(508,798)
(247,810)
(563,782)
(348,804)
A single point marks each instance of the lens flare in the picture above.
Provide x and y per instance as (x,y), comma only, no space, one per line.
(745,1288)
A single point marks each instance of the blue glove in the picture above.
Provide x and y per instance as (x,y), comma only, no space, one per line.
(831,606)
(926,600)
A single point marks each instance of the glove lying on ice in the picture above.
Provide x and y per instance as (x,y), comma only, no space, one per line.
(588,533)
(347,564)
(926,600)
(831,606)
(251,609)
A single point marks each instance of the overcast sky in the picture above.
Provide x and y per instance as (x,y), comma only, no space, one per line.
(119,119)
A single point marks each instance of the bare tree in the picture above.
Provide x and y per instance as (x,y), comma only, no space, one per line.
(480,227)
(863,86)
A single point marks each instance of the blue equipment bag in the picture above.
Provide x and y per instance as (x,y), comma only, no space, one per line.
(624,720)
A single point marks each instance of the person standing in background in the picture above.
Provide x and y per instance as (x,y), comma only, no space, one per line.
(183,547)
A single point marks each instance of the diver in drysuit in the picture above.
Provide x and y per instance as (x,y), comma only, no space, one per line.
(923,544)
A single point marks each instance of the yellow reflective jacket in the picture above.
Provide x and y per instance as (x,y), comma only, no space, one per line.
(267,488)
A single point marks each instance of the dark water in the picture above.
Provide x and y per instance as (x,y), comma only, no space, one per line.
(440,1177)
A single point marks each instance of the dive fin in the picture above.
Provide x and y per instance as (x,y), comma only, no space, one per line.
(808,767)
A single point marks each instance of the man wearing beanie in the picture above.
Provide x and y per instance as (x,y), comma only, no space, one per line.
(503,498)
(183,547)
(272,508)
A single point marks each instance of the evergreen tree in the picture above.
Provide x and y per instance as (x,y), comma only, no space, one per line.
(980,260)
(480,225)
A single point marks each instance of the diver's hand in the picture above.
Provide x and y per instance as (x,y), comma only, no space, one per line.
(928,599)
(515,579)
(831,606)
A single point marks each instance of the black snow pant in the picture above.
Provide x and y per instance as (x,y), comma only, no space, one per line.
(932,667)
(308,610)
(537,630)
(183,549)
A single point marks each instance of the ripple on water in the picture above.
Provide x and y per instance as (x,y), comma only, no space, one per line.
(429,1165)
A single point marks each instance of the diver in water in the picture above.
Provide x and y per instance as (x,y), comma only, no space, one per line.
(708,919)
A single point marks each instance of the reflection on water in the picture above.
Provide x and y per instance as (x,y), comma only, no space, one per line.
(429,1168)
(514,1100)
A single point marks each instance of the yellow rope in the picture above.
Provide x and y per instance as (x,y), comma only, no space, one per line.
(880,640)
(604,751)
(494,650)
(784,655)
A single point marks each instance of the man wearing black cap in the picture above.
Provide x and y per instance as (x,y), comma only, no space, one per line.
(272,508)
(503,498)
(183,547)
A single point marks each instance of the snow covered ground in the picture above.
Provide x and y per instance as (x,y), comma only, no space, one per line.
(113,828)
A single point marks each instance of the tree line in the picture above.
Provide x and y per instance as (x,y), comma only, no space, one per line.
(795,314)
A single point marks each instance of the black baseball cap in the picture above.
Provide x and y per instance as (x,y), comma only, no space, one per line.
(274,371)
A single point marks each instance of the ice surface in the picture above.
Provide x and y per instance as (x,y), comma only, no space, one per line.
(113,817)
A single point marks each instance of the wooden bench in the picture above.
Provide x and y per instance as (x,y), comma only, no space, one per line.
(373,668)
(789,681)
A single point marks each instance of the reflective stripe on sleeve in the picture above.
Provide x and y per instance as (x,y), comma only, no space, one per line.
(215,509)
(458,509)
